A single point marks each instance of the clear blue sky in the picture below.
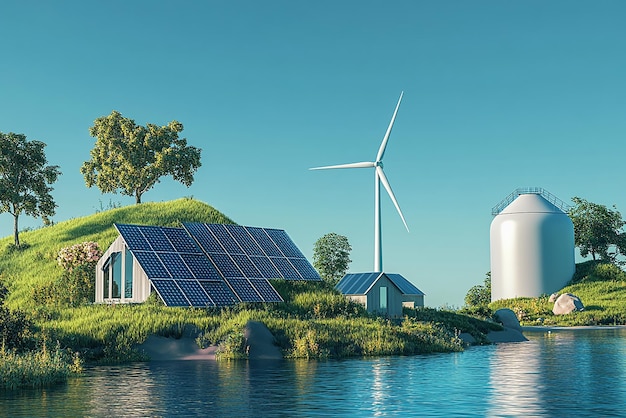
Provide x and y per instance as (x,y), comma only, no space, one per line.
(498,95)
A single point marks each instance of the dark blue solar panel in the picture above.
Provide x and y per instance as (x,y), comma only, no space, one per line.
(285,268)
(175,265)
(206,239)
(284,243)
(243,288)
(225,265)
(151,265)
(170,293)
(219,293)
(266,267)
(133,238)
(245,240)
(404,285)
(156,238)
(264,241)
(181,240)
(227,241)
(245,265)
(266,290)
(195,293)
(305,269)
(201,267)
(356,283)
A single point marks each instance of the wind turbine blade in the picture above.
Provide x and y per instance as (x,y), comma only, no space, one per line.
(364,164)
(383,179)
(383,145)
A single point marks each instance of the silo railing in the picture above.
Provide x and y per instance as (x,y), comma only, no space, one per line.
(530,190)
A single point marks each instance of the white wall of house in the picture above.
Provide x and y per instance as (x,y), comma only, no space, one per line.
(119,278)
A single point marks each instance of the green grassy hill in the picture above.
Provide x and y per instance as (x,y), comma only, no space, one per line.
(315,321)
(600,286)
(24,270)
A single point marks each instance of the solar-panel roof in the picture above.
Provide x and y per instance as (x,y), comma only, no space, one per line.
(204,265)
(360,283)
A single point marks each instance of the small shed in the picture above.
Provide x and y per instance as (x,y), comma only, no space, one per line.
(382,293)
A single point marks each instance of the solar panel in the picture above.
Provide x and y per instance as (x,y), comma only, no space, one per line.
(156,238)
(205,239)
(356,283)
(181,241)
(201,267)
(219,293)
(285,268)
(305,269)
(266,290)
(244,290)
(195,293)
(224,238)
(133,238)
(264,241)
(170,293)
(244,239)
(151,265)
(266,267)
(246,266)
(175,265)
(225,265)
(284,243)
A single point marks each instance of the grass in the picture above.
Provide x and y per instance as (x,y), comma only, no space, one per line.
(314,322)
(601,287)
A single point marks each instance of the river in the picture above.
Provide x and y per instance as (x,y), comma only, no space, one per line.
(558,373)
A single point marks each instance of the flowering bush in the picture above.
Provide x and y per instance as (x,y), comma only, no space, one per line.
(78,255)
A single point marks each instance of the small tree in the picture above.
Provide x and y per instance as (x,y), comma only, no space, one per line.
(77,286)
(133,158)
(479,295)
(331,256)
(597,230)
(25,180)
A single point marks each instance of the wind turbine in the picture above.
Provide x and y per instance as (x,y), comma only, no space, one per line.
(379,177)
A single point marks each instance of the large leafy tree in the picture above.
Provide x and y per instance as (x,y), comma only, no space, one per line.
(132,158)
(25,180)
(331,256)
(597,230)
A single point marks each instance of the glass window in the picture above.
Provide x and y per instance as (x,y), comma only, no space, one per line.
(116,272)
(383,298)
(105,287)
(128,275)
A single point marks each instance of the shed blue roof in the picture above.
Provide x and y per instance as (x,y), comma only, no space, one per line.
(360,283)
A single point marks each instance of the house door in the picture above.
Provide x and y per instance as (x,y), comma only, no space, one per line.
(383,299)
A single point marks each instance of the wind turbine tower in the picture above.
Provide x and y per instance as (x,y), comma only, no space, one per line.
(379,177)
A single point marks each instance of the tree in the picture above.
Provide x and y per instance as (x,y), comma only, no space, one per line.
(25,180)
(331,256)
(133,158)
(479,295)
(597,230)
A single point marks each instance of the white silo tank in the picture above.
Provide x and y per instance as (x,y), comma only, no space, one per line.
(532,248)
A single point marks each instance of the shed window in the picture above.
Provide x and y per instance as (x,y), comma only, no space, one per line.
(112,270)
(128,274)
(383,298)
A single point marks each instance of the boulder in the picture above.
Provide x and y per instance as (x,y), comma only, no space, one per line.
(508,319)
(567,303)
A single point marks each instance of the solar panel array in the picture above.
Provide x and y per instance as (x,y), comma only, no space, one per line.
(206,265)
(359,283)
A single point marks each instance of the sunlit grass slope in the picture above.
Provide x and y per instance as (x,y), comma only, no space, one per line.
(24,270)
(601,288)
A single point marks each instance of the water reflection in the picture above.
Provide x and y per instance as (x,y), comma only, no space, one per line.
(562,373)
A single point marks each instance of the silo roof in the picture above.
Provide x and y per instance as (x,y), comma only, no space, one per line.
(531,203)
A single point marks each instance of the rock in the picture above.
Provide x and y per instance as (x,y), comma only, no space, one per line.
(553,297)
(467,338)
(261,342)
(508,319)
(567,303)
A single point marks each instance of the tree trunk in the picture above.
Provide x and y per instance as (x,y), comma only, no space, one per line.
(16,235)
(137,198)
